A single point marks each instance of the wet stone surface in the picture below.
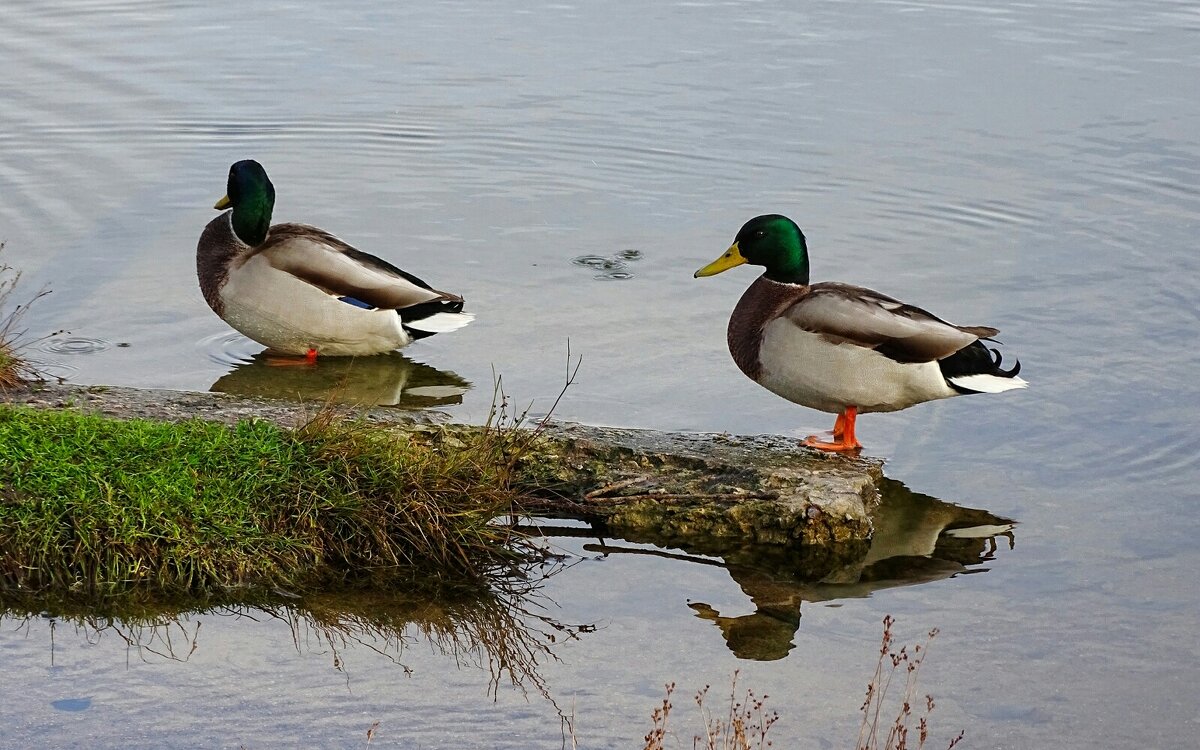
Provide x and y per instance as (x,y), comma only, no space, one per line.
(764,490)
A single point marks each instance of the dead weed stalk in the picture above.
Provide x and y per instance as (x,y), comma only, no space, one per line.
(891,662)
(15,369)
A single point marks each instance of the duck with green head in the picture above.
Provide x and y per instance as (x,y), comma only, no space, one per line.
(299,290)
(845,349)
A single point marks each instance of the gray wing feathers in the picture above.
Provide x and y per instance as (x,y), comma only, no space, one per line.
(327,262)
(843,313)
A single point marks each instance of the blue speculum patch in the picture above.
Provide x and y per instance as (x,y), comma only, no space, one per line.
(356,303)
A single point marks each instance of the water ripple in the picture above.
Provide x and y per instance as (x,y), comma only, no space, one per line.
(1169,453)
(73,345)
(229,348)
(929,208)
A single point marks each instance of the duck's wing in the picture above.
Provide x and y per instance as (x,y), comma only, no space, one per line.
(327,262)
(842,313)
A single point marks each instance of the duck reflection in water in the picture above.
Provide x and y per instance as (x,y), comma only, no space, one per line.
(384,380)
(918,539)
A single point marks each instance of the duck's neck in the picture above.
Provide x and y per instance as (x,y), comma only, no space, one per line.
(797,274)
(789,265)
(252,218)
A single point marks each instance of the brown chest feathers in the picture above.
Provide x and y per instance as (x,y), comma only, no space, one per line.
(217,248)
(760,304)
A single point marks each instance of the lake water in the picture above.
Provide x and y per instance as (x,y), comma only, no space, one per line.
(566,167)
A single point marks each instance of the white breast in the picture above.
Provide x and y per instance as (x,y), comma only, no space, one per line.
(807,369)
(290,316)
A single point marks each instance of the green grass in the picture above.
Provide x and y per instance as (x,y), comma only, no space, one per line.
(89,503)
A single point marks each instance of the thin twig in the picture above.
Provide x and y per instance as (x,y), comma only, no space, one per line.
(681,497)
(608,489)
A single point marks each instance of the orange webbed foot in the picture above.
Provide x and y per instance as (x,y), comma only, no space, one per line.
(812,441)
(843,435)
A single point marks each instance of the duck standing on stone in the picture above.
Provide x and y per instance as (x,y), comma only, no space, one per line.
(301,291)
(844,349)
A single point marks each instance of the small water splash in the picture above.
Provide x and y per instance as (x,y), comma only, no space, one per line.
(612,267)
(597,261)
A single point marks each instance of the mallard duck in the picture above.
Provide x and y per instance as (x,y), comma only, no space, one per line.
(299,290)
(844,349)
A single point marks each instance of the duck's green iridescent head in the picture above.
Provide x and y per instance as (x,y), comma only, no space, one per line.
(772,241)
(252,196)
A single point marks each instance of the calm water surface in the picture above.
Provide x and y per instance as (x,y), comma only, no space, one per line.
(566,168)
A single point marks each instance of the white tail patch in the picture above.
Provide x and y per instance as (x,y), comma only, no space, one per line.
(988,383)
(440,322)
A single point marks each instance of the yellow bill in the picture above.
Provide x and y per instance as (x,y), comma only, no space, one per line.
(731,258)
(223,203)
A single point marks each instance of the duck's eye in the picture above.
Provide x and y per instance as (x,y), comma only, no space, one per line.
(760,233)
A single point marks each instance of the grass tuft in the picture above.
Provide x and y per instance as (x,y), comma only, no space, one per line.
(15,369)
(98,504)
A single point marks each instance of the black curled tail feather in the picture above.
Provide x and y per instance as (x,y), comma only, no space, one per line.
(1011,372)
(975,359)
